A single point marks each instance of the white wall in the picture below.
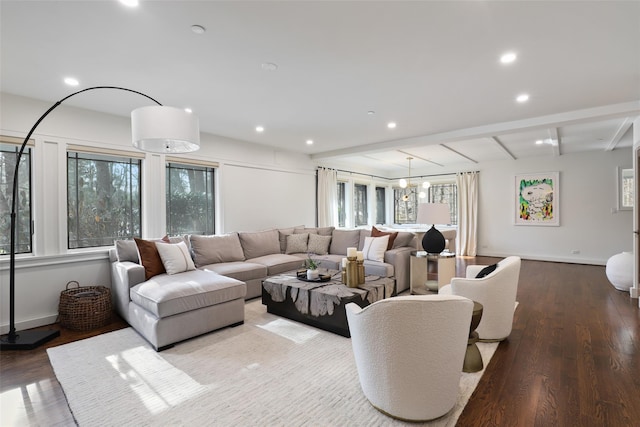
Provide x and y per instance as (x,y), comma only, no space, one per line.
(259,187)
(589,220)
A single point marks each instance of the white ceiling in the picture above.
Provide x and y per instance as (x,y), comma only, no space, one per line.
(432,67)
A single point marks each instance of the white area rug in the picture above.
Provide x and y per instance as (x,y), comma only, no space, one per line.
(268,372)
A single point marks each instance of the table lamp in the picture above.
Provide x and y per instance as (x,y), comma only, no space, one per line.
(433,213)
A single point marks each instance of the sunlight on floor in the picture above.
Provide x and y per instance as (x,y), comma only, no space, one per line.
(295,332)
(157,383)
(19,406)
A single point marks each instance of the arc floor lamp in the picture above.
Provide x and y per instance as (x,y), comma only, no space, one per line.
(157,129)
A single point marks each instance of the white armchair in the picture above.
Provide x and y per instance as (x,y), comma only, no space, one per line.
(496,292)
(409,353)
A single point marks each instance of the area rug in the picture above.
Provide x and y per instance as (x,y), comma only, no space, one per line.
(268,372)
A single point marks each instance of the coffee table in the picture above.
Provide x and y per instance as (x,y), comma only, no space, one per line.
(321,304)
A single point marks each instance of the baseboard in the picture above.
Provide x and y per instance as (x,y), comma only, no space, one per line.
(633,293)
(531,257)
(31,323)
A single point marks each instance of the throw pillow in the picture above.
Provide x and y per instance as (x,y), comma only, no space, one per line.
(392,236)
(297,243)
(375,247)
(403,239)
(175,257)
(260,243)
(127,250)
(318,245)
(486,271)
(149,257)
(343,239)
(216,248)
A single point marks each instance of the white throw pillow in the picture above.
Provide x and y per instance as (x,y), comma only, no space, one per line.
(375,247)
(175,257)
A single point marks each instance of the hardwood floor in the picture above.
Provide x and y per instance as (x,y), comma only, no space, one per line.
(572,359)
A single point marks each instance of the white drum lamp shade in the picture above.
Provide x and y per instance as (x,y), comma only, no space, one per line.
(161,129)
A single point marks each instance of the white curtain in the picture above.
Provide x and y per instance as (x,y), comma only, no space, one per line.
(327,197)
(467,239)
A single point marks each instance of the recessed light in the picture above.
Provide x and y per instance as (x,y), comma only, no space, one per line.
(522,97)
(508,58)
(309,142)
(539,142)
(71,81)
(269,66)
(259,129)
(391,125)
(188,110)
(371,112)
(130,3)
(198,29)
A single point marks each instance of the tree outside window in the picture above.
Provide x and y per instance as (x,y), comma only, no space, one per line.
(8,157)
(190,199)
(342,214)
(381,205)
(103,199)
(360,204)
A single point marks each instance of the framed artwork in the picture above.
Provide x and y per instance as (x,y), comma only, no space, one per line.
(537,199)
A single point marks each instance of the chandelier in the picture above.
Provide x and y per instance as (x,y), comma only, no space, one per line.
(409,188)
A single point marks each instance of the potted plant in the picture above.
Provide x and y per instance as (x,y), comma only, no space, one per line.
(312,269)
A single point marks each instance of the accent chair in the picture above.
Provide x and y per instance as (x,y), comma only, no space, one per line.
(409,352)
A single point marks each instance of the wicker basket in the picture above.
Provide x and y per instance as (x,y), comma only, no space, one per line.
(84,307)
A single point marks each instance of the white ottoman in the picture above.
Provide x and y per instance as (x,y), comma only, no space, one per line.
(620,271)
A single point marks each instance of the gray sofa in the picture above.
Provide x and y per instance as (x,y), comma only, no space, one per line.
(229,268)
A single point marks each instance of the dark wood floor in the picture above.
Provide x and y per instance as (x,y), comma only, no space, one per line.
(573,359)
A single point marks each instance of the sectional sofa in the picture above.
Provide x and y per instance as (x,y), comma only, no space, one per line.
(196,284)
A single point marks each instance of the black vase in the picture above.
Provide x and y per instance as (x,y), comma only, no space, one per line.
(433,241)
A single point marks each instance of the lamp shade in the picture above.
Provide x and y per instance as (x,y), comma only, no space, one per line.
(433,213)
(161,129)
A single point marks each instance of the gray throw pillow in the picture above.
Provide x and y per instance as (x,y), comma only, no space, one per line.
(403,239)
(297,243)
(215,249)
(318,245)
(260,243)
(343,239)
(127,250)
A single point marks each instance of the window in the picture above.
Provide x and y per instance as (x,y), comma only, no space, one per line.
(405,206)
(8,156)
(190,199)
(360,204)
(103,199)
(406,202)
(445,193)
(342,216)
(381,205)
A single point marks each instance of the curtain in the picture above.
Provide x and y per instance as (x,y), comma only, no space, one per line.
(327,197)
(468,213)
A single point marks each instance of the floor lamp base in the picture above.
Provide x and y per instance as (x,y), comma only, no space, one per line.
(27,340)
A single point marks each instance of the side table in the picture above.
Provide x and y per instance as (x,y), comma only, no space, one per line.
(430,272)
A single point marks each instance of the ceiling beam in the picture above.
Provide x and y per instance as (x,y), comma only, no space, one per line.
(542,122)
(495,140)
(624,127)
(459,154)
(554,136)
(421,158)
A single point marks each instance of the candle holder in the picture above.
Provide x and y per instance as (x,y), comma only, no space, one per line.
(352,272)
(360,264)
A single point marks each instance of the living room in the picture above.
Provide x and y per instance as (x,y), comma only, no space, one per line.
(260,186)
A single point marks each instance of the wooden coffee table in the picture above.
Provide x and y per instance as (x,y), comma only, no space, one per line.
(321,304)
